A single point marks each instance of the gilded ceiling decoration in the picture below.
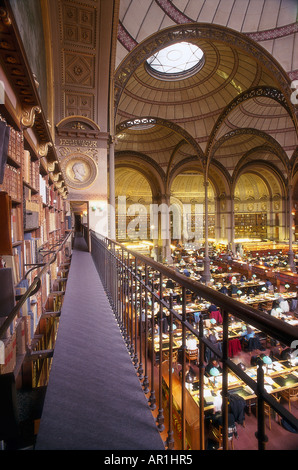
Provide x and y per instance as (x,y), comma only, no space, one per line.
(235,111)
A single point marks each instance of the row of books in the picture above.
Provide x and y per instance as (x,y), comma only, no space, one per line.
(15,146)
(15,262)
(16,224)
(12,182)
(30,170)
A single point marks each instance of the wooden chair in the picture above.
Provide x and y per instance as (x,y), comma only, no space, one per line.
(268,411)
(192,354)
(291,394)
(216,434)
(166,356)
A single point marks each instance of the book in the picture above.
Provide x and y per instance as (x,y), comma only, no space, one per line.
(4,141)
(7,291)
(14,263)
(5,217)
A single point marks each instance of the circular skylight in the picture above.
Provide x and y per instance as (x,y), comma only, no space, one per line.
(178,61)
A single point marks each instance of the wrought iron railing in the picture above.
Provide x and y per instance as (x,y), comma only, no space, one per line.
(135,285)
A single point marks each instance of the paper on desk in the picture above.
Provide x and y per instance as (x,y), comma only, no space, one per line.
(207,393)
(268,388)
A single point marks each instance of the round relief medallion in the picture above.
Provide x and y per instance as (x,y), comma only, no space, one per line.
(80,170)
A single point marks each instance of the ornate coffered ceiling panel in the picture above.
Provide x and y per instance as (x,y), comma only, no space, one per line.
(77,56)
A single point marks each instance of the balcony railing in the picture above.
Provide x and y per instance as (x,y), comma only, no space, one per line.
(135,286)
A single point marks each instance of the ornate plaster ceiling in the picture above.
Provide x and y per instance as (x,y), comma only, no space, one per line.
(235,110)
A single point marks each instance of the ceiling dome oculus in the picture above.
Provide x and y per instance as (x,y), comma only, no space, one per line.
(177,61)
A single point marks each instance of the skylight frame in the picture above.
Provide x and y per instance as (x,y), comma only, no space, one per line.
(174,62)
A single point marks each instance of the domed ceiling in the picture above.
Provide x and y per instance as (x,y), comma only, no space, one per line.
(234,110)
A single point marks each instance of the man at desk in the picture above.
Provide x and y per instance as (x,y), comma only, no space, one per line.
(213,364)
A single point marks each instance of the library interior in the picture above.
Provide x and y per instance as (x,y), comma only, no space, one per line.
(149,225)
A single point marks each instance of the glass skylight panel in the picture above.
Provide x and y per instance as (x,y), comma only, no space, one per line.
(177,58)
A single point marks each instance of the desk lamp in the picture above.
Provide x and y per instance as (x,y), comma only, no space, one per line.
(214,372)
(268,361)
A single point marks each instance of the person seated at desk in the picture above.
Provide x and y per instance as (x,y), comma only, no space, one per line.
(186,272)
(250,341)
(276,310)
(209,355)
(213,364)
(234,289)
(247,333)
(212,308)
(251,291)
(191,343)
(268,284)
(224,290)
(294,305)
(170,284)
(217,421)
(284,305)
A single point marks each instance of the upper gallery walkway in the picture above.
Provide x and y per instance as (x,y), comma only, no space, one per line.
(94,399)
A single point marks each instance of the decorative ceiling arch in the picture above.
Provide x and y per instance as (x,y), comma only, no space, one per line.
(252,186)
(259,91)
(261,136)
(144,164)
(147,120)
(132,183)
(215,176)
(185,185)
(294,162)
(253,155)
(266,171)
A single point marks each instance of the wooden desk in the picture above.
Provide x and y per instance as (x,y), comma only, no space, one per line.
(281,376)
(177,342)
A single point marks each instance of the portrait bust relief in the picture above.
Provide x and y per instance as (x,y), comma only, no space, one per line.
(80,170)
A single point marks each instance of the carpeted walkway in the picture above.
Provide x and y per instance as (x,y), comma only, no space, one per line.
(94,399)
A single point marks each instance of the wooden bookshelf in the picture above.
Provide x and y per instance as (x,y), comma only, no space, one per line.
(32,215)
(251,225)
